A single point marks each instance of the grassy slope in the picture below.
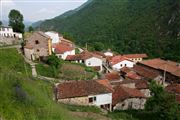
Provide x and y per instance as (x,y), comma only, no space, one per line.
(126,26)
(68,71)
(24,98)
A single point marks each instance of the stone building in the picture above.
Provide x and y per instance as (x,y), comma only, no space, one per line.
(84,93)
(127,98)
(38,45)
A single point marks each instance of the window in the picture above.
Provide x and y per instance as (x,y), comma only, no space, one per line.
(125,65)
(92,99)
(37,42)
(89,63)
(37,50)
(121,65)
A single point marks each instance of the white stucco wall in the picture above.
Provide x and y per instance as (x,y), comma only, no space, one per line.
(102,99)
(122,64)
(29,53)
(65,54)
(6,32)
(54,36)
(18,35)
(108,54)
(94,62)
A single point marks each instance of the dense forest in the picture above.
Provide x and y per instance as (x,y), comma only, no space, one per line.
(125,26)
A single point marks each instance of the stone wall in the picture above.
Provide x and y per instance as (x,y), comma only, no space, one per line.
(8,41)
(146,92)
(75,101)
(131,103)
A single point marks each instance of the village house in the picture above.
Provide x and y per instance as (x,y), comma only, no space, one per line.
(118,62)
(87,58)
(7,31)
(108,53)
(62,50)
(125,98)
(175,89)
(141,73)
(38,45)
(168,69)
(56,37)
(135,57)
(84,93)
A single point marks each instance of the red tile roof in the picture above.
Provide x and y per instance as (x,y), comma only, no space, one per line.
(112,76)
(174,88)
(133,75)
(121,93)
(139,84)
(117,59)
(106,83)
(99,53)
(169,66)
(82,56)
(145,72)
(74,89)
(61,48)
(135,55)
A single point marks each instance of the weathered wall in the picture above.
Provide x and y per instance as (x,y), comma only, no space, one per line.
(29,53)
(75,101)
(43,48)
(131,103)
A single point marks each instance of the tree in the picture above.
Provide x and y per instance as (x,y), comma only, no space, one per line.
(30,29)
(16,21)
(53,61)
(98,46)
(162,103)
(0,23)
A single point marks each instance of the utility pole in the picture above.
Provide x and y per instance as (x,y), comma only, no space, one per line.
(164,79)
(86,46)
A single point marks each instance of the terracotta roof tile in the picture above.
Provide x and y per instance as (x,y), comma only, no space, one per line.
(112,76)
(80,88)
(175,88)
(145,72)
(82,56)
(117,59)
(135,55)
(121,93)
(61,48)
(169,66)
(139,84)
(106,83)
(133,75)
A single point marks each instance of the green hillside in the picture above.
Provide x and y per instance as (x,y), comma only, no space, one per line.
(126,26)
(25,98)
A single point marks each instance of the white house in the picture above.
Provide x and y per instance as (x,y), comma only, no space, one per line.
(8,32)
(84,93)
(119,62)
(108,54)
(94,62)
(63,50)
(87,58)
(54,36)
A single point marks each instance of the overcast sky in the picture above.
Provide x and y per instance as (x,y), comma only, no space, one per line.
(34,10)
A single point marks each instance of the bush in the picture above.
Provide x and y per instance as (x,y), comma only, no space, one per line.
(53,60)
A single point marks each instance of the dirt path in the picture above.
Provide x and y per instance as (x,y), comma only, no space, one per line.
(90,115)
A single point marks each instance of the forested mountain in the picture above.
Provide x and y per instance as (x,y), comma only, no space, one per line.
(126,26)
